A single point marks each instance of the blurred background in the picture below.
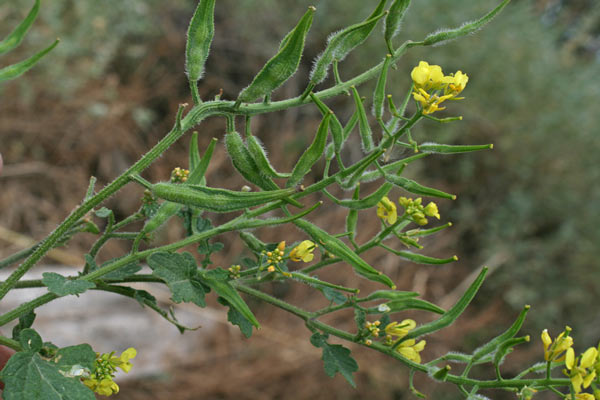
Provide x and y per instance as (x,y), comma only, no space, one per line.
(528,209)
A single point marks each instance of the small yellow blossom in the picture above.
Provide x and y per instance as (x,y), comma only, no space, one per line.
(410,349)
(101,379)
(271,268)
(386,210)
(585,396)
(554,350)
(583,374)
(123,360)
(432,87)
(400,329)
(304,251)
(431,210)
(179,175)
(281,247)
(427,76)
(104,387)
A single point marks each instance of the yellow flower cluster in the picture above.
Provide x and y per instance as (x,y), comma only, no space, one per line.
(179,175)
(409,348)
(101,380)
(303,252)
(386,210)
(275,257)
(234,271)
(553,350)
(432,87)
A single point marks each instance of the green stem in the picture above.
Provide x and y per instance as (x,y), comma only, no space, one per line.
(13,344)
(19,255)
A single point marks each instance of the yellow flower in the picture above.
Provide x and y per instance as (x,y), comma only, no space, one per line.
(386,210)
(553,350)
(584,374)
(432,87)
(427,76)
(104,387)
(410,349)
(123,360)
(400,329)
(431,210)
(304,251)
(585,396)
(456,82)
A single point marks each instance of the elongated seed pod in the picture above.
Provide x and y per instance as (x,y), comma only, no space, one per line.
(199,38)
(312,154)
(16,70)
(283,64)
(390,295)
(421,259)
(350,125)
(445,35)
(253,243)
(379,95)
(452,149)
(334,124)
(216,200)
(339,249)
(16,36)
(259,155)
(197,175)
(394,19)
(369,201)
(413,304)
(413,187)
(194,154)
(343,42)
(366,134)
(352,217)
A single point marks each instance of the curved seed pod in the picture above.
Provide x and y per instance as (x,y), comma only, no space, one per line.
(343,42)
(199,38)
(336,127)
(366,134)
(452,314)
(452,149)
(253,243)
(445,35)
(421,259)
(259,155)
(427,232)
(411,304)
(352,217)
(389,295)
(312,154)
(379,95)
(216,200)
(350,125)
(168,209)
(393,20)
(15,70)
(413,187)
(283,65)
(369,201)
(16,36)
(339,249)
(507,347)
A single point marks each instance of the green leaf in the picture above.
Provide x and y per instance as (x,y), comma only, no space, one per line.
(25,321)
(124,272)
(15,70)
(62,286)
(180,273)
(16,36)
(28,377)
(30,340)
(236,318)
(336,358)
(73,360)
(217,279)
(333,295)
(103,212)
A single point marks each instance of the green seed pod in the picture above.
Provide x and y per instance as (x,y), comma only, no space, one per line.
(412,304)
(259,155)
(199,38)
(452,149)
(197,175)
(194,155)
(446,35)
(350,125)
(442,373)
(343,42)
(379,95)
(312,154)
(15,70)
(253,243)
(216,200)
(352,217)
(427,232)
(507,347)
(334,124)
(283,65)
(421,259)
(390,295)
(366,135)
(16,36)
(393,20)
(413,187)
(339,249)
(369,201)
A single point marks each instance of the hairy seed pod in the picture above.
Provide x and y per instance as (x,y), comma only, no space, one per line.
(199,38)
(413,187)
(446,35)
(421,259)
(194,154)
(394,19)
(369,201)
(16,36)
(312,154)
(216,200)
(339,249)
(413,304)
(259,155)
(366,134)
(452,149)
(390,295)
(16,70)
(252,242)
(379,95)
(352,217)
(343,42)
(350,125)
(283,64)
(334,124)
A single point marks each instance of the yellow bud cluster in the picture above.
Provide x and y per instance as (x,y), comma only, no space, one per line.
(234,271)
(274,257)
(105,367)
(419,213)
(179,175)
